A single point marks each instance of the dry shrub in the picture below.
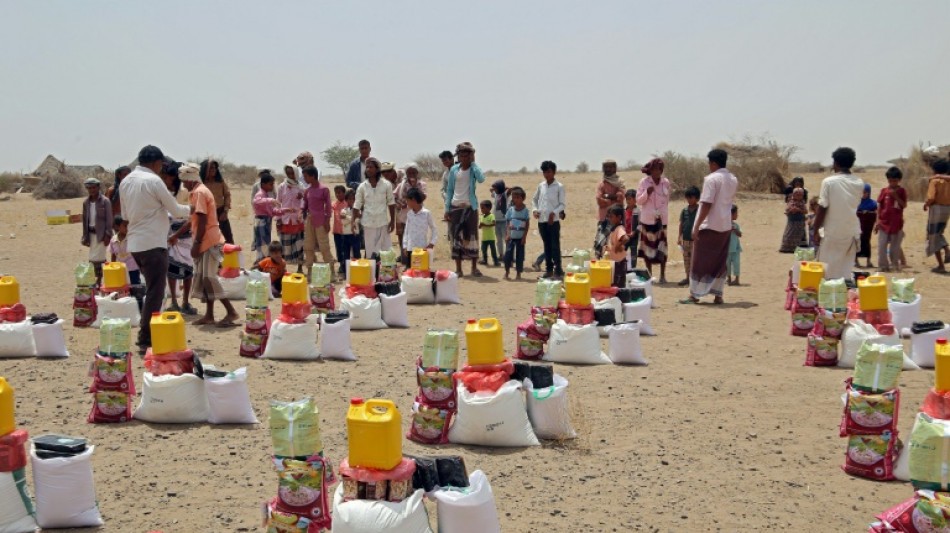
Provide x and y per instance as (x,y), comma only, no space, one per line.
(683,171)
(797,168)
(430,166)
(60,186)
(917,171)
(9,181)
(761,164)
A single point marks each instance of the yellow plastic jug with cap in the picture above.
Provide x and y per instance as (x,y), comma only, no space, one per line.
(114,275)
(577,288)
(9,291)
(361,272)
(810,275)
(168,332)
(7,421)
(294,289)
(374,434)
(601,273)
(484,341)
(419,259)
(231,258)
(872,293)
(942,365)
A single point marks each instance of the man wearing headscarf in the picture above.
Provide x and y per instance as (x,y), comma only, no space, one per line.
(611,189)
(653,197)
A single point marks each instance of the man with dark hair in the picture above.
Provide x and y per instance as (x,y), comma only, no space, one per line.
(357,171)
(147,205)
(318,212)
(548,206)
(712,231)
(837,230)
(461,207)
(937,206)
(112,193)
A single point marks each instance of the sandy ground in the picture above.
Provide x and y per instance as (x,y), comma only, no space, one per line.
(725,430)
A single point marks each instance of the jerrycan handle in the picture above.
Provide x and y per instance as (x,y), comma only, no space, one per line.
(875,279)
(486,323)
(169,315)
(378,406)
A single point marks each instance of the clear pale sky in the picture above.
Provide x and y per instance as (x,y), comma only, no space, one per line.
(92,81)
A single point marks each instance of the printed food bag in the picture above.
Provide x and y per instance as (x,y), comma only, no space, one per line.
(877,367)
(871,456)
(543,318)
(84,294)
(387,273)
(435,385)
(85,275)
(282,522)
(112,374)
(257,320)
(83,317)
(440,348)
(295,428)
(902,290)
(430,425)
(804,254)
(926,512)
(833,294)
(110,406)
(821,351)
(806,299)
(302,489)
(321,275)
(115,336)
(803,321)
(252,344)
(930,453)
(530,343)
(830,324)
(867,413)
(547,293)
(322,298)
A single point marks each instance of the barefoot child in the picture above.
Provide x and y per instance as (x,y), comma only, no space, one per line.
(890,221)
(735,248)
(487,224)
(420,229)
(97,222)
(274,265)
(616,244)
(685,237)
(119,248)
(519,220)
(266,207)
(350,228)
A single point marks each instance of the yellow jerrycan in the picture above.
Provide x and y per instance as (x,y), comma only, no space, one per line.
(810,275)
(7,422)
(601,273)
(872,293)
(114,275)
(484,341)
(941,369)
(374,433)
(361,272)
(295,289)
(9,291)
(419,259)
(577,288)
(168,332)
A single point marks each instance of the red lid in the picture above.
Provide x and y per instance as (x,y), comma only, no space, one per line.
(941,341)
(570,274)
(356,401)
(156,314)
(804,263)
(472,321)
(861,277)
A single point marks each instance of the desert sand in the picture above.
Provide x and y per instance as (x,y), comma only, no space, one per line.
(725,430)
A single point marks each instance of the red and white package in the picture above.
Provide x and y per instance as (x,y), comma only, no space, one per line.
(110,407)
(257,321)
(529,343)
(436,387)
(252,345)
(821,351)
(302,489)
(803,321)
(112,373)
(543,318)
(430,425)
(872,456)
(322,298)
(830,324)
(867,413)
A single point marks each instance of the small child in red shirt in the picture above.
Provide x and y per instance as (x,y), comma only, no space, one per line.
(890,221)
(274,265)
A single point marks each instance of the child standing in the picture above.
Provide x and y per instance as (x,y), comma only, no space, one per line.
(732,264)
(499,193)
(795,210)
(266,207)
(350,227)
(274,265)
(685,237)
(631,223)
(616,244)
(812,211)
(548,206)
(890,221)
(487,225)
(339,203)
(519,220)
(867,216)
(97,222)
(119,248)
(420,231)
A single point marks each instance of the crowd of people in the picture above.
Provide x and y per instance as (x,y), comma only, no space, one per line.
(841,220)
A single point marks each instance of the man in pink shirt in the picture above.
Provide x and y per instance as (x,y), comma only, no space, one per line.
(207,251)
(318,212)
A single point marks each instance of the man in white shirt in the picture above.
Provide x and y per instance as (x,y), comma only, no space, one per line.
(548,208)
(840,228)
(146,204)
(712,231)
(373,197)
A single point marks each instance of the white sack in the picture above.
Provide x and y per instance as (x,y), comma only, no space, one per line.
(570,343)
(623,344)
(904,315)
(365,313)
(172,399)
(418,290)
(376,516)
(639,311)
(922,345)
(609,303)
(633,282)
(549,410)
(16,507)
(447,291)
(470,511)
(16,339)
(854,334)
(112,307)
(229,401)
(395,310)
(335,341)
(492,418)
(65,491)
(292,341)
(50,341)
(235,288)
